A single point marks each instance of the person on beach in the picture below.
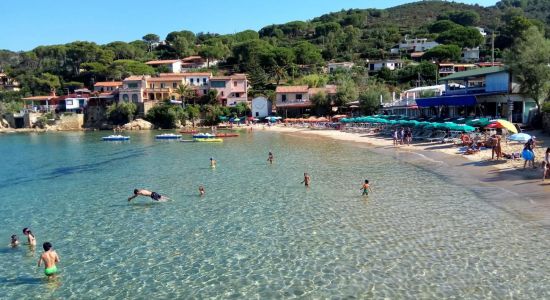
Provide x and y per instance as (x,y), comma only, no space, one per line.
(546,164)
(401,136)
(366,188)
(201,191)
(529,153)
(306,180)
(154,195)
(30,237)
(270,157)
(50,258)
(395,136)
(408,136)
(212,163)
(14,241)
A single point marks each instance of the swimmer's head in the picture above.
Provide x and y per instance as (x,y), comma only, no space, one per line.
(47,246)
(211,158)
(366,181)
(136,191)
(26,231)
(14,237)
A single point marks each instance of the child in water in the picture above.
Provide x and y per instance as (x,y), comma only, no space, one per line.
(306,179)
(366,188)
(30,236)
(14,241)
(212,163)
(201,190)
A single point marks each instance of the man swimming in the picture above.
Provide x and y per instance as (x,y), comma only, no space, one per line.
(270,157)
(212,163)
(30,236)
(50,258)
(366,188)
(306,179)
(154,195)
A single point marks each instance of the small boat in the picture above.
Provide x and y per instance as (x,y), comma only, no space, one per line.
(203,136)
(187,141)
(168,136)
(227,135)
(208,140)
(115,138)
(189,131)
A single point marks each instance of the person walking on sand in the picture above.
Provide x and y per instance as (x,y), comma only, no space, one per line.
(30,236)
(366,188)
(270,157)
(306,180)
(154,195)
(395,136)
(50,259)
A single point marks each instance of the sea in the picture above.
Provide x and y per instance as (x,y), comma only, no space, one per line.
(258,233)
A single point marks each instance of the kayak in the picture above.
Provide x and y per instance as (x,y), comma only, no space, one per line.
(227,135)
(208,140)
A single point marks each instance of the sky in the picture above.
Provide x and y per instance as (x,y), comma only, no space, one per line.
(29,23)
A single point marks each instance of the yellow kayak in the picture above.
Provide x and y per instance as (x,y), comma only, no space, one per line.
(208,140)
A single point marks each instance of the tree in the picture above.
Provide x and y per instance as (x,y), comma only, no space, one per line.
(246,35)
(369,99)
(184,92)
(529,62)
(464,18)
(307,54)
(213,50)
(442,26)
(150,39)
(321,103)
(314,80)
(193,112)
(165,115)
(212,114)
(462,37)
(443,52)
(121,113)
(346,91)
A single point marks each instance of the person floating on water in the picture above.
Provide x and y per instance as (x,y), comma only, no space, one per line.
(270,157)
(30,236)
(14,241)
(306,179)
(212,163)
(50,258)
(154,195)
(366,188)
(201,191)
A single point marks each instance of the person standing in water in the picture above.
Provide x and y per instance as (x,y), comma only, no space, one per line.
(14,241)
(212,163)
(30,236)
(366,188)
(50,258)
(270,157)
(201,191)
(154,195)
(307,179)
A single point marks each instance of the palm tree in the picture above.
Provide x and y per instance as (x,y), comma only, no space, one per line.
(184,91)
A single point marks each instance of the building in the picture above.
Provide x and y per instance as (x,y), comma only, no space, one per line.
(416,45)
(377,65)
(333,66)
(484,92)
(134,89)
(295,100)
(107,86)
(171,65)
(197,62)
(7,83)
(198,81)
(470,54)
(232,90)
(446,69)
(40,103)
(261,107)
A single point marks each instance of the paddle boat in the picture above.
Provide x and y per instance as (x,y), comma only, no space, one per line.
(115,138)
(189,131)
(168,136)
(208,140)
(203,136)
(226,135)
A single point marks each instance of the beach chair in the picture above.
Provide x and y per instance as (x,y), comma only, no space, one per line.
(439,136)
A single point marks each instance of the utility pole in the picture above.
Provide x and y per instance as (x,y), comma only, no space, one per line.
(493,47)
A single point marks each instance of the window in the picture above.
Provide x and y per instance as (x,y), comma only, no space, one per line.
(204,92)
(125,97)
(132,85)
(257,114)
(162,85)
(298,96)
(135,98)
(234,83)
(204,80)
(151,85)
(69,102)
(192,80)
(217,84)
(174,84)
(237,95)
(283,98)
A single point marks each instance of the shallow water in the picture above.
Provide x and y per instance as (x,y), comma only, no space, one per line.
(258,233)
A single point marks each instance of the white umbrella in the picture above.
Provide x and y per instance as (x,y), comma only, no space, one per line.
(519,137)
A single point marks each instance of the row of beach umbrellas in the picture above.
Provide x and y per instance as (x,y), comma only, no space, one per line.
(413,123)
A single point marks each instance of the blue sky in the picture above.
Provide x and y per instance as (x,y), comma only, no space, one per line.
(28,23)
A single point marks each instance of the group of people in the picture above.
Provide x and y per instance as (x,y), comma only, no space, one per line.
(49,257)
(402,136)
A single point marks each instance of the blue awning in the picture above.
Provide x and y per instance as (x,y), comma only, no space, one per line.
(462,100)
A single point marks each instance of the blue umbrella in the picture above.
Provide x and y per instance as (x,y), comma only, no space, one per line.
(519,137)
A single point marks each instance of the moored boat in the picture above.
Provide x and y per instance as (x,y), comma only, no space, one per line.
(208,140)
(115,138)
(168,136)
(227,135)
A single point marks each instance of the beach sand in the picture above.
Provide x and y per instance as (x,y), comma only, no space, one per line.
(531,196)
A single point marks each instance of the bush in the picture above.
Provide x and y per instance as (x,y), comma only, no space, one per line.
(166,115)
(121,113)
(546,107)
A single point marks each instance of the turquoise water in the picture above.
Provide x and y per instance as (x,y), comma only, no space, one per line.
(258,233)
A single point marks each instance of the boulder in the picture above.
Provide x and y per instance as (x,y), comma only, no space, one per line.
(138,124)
(4,123)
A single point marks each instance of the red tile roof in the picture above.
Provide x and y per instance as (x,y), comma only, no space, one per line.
(39,98)
(165,78)
(108,83)
(136,78)
(191,58)
(162,62)
(292,89)
(187,74)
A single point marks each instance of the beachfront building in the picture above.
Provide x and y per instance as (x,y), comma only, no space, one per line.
(107,86)
(198,81)
(134,89)
(333,66)
(484,92)
(470,54)
(446,69)
(169,65)
(7,83)
(377,65)
(40,103)
(261,107)
(196,62)
(295,101)
(232,90)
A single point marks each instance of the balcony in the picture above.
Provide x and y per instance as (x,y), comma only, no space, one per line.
(294,103)
(158,90)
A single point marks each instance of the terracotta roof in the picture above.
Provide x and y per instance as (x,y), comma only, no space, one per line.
(193,57)
(292,89)
(417,54)
(187,74)
(165,78)
(136,78)
(162,62)
(108,83)
(234,76)
(39,98)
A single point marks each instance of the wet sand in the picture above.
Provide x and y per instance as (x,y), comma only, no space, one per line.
(505,184)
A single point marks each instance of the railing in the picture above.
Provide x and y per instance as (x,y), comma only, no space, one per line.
(283,103)
(158,90)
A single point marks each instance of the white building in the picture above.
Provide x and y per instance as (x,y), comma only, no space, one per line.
(261,107)
(470,54)
(174,65)
(417,45)
(333,66)
(377,65)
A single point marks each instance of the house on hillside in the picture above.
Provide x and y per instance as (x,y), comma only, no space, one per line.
(232,90)
(7,83)
(107,86)
(295,100)
(414,45)
(470,54)
(446,69)
(333,66)
(377,65)
(198,81)
(172,65)
(196,62)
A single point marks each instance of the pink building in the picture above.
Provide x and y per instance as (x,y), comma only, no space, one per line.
(231,89)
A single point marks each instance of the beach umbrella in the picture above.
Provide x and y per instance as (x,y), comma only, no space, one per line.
(344,120)
(504,124)
(519,137)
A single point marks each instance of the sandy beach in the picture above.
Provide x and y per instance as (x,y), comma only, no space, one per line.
(531,195)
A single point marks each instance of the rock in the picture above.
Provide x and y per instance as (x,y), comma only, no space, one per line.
(138,124)
(4,123)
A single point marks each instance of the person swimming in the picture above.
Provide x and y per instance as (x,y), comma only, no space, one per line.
(14,241)
(306,180)
(212,163)
(270,157)
(30,236)
(154,195)
(50,258)
(366,188)
(201,191)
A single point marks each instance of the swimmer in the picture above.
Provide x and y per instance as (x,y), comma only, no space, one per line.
(154,195)
(201,191)
(50,258)
(14,241)
(30,236)
(212,163)
(366,188)
(270,157)
(306,179)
